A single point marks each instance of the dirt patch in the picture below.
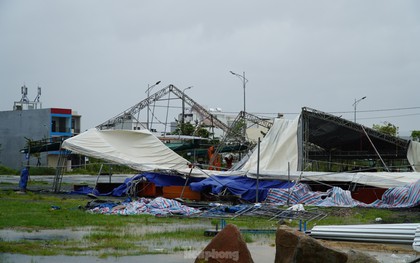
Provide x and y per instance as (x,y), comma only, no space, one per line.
(388,248)
(342,212)
(384,253)
(406,215)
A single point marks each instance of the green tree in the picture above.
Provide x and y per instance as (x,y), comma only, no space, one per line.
(415,135)
(191,130)
(387,128)
(185,129)
(201,132)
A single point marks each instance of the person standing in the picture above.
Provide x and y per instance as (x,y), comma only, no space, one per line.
(24,177)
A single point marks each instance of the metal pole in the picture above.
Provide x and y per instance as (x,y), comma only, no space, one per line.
(148,103)
(384,164)
(258,171)
(183,109)
(354,110)
(244,83)
(355,105)
(288,180)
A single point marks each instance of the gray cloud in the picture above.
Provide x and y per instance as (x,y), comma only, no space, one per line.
(98,57)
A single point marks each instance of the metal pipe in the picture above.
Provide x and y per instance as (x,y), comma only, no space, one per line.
(355,105)
(390,233)
(258,170)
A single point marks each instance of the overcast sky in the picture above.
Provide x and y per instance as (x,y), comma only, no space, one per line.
(98,57)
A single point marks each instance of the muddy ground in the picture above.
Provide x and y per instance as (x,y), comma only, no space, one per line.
(263,251)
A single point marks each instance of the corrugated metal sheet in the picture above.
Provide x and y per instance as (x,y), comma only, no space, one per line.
(381,233)
(416,243)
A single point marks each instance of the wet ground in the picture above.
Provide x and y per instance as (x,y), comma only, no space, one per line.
(260,253)
(262,249)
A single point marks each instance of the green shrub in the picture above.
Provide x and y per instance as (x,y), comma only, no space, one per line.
(42,171)
(8,171)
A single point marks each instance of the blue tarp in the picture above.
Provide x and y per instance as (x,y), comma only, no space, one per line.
(168,180)
(158,179)
(241,186)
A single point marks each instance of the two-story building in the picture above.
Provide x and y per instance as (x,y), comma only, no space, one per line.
(29,122)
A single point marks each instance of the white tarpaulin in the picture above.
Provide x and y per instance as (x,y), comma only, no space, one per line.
(138,149)
(376,179)
(413,155)
(278,149)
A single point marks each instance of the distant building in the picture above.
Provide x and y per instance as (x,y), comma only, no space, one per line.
(28,121)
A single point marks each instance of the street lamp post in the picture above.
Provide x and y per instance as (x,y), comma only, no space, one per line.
(244,81)
(183,105)
(355,105)
(148,103)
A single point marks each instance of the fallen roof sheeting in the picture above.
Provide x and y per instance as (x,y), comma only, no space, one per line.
(413,155)
(376,179)
(278,149)
(281,151)
(138,149)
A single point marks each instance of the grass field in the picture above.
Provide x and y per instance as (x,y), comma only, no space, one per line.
(114,235)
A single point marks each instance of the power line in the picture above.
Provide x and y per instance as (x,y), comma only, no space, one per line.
(378,110)
(346,112)
(391,116)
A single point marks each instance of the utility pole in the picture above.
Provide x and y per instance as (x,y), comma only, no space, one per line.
(355,105)
(244,81)
(183,109)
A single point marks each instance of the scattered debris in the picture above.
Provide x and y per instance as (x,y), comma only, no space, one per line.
(159,206)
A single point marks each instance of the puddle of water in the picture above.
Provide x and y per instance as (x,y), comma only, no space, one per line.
(11,235)
(170,245)
(143,229)
(46,234)
(16,258)
(172,250)
(260,254)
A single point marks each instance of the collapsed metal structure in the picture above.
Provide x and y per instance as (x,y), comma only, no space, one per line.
(331,143)
(131,112)
(327,142)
